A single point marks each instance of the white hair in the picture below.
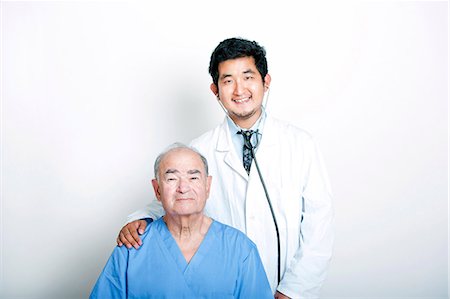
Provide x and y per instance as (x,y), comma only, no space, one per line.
(174,146)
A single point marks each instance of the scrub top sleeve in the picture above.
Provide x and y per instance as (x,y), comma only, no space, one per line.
(112,282)
(252,280)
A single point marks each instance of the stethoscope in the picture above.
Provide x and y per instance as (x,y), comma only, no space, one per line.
(251,147)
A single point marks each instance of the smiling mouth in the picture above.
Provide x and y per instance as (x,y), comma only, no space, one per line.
(240,101)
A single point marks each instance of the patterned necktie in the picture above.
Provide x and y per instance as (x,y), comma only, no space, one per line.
(247,150)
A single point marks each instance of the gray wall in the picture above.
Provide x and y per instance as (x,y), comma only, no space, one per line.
(91,92)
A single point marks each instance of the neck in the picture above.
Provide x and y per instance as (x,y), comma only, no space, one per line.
(187,226)
(247,123)
(188,232)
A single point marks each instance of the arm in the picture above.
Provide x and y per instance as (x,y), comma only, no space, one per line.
(136,224)
(153,210)
(112,280)
(306,272)
(252,281)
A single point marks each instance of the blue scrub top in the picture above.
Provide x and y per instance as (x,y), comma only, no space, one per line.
(226,265)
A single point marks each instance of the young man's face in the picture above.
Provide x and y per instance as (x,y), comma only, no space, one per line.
(241,90)
(183,185)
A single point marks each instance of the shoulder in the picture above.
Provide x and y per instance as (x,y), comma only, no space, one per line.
(207,137)
(285,127)
(152,228)
(146,237)
(233,236)
(288,135)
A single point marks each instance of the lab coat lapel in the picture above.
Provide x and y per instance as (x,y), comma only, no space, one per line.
(267,157)
(264,152)
(269,136)
(225,146)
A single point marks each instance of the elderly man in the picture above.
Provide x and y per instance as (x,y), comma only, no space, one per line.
(185,253)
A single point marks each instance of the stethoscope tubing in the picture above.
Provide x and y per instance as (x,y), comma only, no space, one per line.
(252,148)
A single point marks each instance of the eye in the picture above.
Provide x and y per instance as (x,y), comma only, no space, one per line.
(171,179)
(194,178)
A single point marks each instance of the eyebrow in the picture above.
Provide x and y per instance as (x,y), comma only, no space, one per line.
(225,76)
(193,171)
(249,71)
(171,171)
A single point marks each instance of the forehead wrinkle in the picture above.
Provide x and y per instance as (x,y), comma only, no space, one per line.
(194,171)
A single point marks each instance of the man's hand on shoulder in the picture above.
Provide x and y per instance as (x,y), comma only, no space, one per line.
(129,234)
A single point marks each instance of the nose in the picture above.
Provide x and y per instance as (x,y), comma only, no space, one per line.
(239,87)
(183,186)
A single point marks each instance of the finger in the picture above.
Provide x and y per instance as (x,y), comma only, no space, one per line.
(120,238)
(132,237)
(124,240)
(136,240)
(142,226)
(119,243)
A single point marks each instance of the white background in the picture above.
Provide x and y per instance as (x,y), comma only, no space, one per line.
(92,91)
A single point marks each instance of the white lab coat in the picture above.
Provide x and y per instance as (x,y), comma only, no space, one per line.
(296,181)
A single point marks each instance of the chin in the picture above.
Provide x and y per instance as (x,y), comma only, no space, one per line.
(245,116)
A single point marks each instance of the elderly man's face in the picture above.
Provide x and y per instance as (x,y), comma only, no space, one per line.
(183,186)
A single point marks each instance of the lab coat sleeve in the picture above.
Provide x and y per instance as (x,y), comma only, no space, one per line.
(112,282)
(252,281)
(153,210)
(307,271)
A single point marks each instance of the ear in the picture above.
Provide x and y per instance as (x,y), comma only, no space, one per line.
(267,80)
(208,185)
(214,89)
(156,188)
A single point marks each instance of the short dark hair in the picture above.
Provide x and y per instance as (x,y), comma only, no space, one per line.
(233,48)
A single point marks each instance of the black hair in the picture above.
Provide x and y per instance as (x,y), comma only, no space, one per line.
(233,48)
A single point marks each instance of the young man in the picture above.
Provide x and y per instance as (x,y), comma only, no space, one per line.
(292,207)
(186,253)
